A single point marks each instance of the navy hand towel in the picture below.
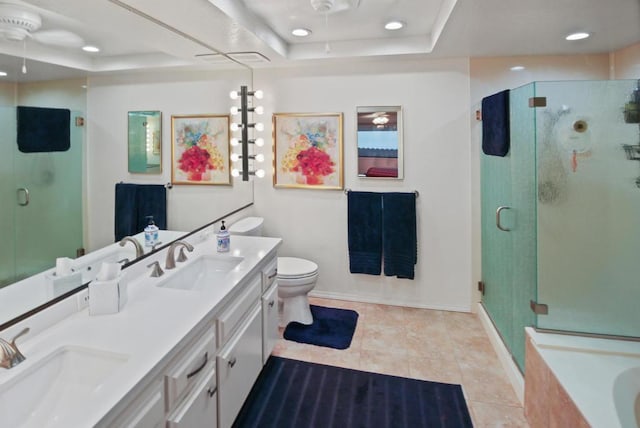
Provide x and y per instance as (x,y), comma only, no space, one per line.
(400,244)
(495,124)
(43,129)
(365,232)
(134,202)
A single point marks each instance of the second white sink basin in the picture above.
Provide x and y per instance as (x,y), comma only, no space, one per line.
(46,392)
(202,272)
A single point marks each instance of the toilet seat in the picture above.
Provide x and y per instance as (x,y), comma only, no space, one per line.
(296,268)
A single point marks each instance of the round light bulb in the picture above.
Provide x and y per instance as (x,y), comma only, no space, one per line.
(258,94)
(234,142)
(260,173)
(393,25)
(234,110)
(235,172)
(233,95)
(259,142)
(259,126)
(235,157)
(260,157)
(259,110)
(234,126)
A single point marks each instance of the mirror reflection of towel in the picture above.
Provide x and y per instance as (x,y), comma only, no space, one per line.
(134,202)
(495,124)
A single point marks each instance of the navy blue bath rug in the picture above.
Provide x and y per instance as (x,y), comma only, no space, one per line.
(332,328)
(298,394)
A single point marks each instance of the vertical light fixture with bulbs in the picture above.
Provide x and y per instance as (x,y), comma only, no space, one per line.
(244,126)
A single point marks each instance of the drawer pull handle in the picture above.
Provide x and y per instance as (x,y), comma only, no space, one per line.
(273,275)
(232,362)
(212,391)
(199,369)
(271,303)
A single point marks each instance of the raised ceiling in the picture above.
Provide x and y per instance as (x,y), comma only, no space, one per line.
(144,34)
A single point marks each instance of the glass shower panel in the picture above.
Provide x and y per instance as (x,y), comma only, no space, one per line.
(588,199)
(523,191)
(7,195)
(50,226)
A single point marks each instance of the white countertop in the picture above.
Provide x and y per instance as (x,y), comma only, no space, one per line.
(148,329)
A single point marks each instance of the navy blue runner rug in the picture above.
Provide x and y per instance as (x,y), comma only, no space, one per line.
(298,394)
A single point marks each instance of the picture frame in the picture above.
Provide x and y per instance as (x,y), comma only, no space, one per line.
(308,150)
(200,149)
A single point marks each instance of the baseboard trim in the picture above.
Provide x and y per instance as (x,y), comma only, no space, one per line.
(384,301)
(513,373)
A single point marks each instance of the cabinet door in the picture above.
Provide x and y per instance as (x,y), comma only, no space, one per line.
(198,409)
(270,334)
(238,366)
(145,411)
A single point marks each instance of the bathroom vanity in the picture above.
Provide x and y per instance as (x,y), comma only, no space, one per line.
(184,351)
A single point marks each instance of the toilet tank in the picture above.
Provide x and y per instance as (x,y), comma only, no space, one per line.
(250,226)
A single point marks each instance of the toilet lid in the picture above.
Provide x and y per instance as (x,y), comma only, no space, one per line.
(293,267)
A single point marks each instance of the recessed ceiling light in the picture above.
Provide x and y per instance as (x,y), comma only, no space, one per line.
(517,68)
(3,73)
(90,48)
(577,36)
(393,25)
(300,32)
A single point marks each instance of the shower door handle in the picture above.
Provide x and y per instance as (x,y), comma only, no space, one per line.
(498,224)
(25,200)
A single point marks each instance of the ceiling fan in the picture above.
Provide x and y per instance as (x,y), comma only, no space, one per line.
(19,23)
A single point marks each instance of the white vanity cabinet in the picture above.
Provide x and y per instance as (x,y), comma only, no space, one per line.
(145,411)
(270,334)
(199,407)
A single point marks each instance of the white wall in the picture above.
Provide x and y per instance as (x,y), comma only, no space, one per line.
(313,223)
(172,93)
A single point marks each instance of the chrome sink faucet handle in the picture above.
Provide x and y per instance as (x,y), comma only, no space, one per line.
(171,260)
(11,355)
(157,270)
(134,241)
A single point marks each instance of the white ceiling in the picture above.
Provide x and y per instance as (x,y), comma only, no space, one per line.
(145,34)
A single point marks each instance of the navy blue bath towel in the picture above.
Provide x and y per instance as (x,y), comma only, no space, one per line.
(134,203)
(43,129)
(495,124)
(365,232)
(399,236)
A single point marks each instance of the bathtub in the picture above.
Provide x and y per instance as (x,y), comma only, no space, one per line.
(600,376)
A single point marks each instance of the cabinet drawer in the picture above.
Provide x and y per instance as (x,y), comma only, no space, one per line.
(237,309)
(270,333)
(269,274)
(238,366)
(191,366)
(199,407)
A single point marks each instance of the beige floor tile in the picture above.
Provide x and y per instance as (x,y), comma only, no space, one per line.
(439,346)
(496,416)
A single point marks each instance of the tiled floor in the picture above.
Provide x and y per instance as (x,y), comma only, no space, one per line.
(424,344)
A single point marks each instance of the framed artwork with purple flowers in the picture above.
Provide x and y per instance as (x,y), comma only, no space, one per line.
(200,149)
(308,150)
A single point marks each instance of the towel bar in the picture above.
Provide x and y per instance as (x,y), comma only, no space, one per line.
(349,190)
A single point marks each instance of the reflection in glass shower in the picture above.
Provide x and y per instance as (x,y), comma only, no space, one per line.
(40,203)
(588,207)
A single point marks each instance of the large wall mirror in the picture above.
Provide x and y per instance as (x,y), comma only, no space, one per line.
(145,142)
(380,142)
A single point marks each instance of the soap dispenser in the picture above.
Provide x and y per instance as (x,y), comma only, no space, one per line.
(223,239)
(150,233)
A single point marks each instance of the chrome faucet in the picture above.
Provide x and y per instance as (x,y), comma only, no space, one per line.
(134,241)
(11,355)
(170,263)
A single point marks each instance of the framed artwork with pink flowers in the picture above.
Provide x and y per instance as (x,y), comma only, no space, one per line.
(308,150)
(200,149)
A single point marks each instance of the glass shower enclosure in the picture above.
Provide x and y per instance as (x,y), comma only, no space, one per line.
(40,202)
(569,189)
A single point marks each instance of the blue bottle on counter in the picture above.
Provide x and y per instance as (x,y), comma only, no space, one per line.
(150,233)
(223,239)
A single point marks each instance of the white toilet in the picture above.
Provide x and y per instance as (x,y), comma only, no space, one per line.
(296,277)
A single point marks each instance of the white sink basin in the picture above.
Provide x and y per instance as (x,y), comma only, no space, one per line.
(46,392)
(201,273)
